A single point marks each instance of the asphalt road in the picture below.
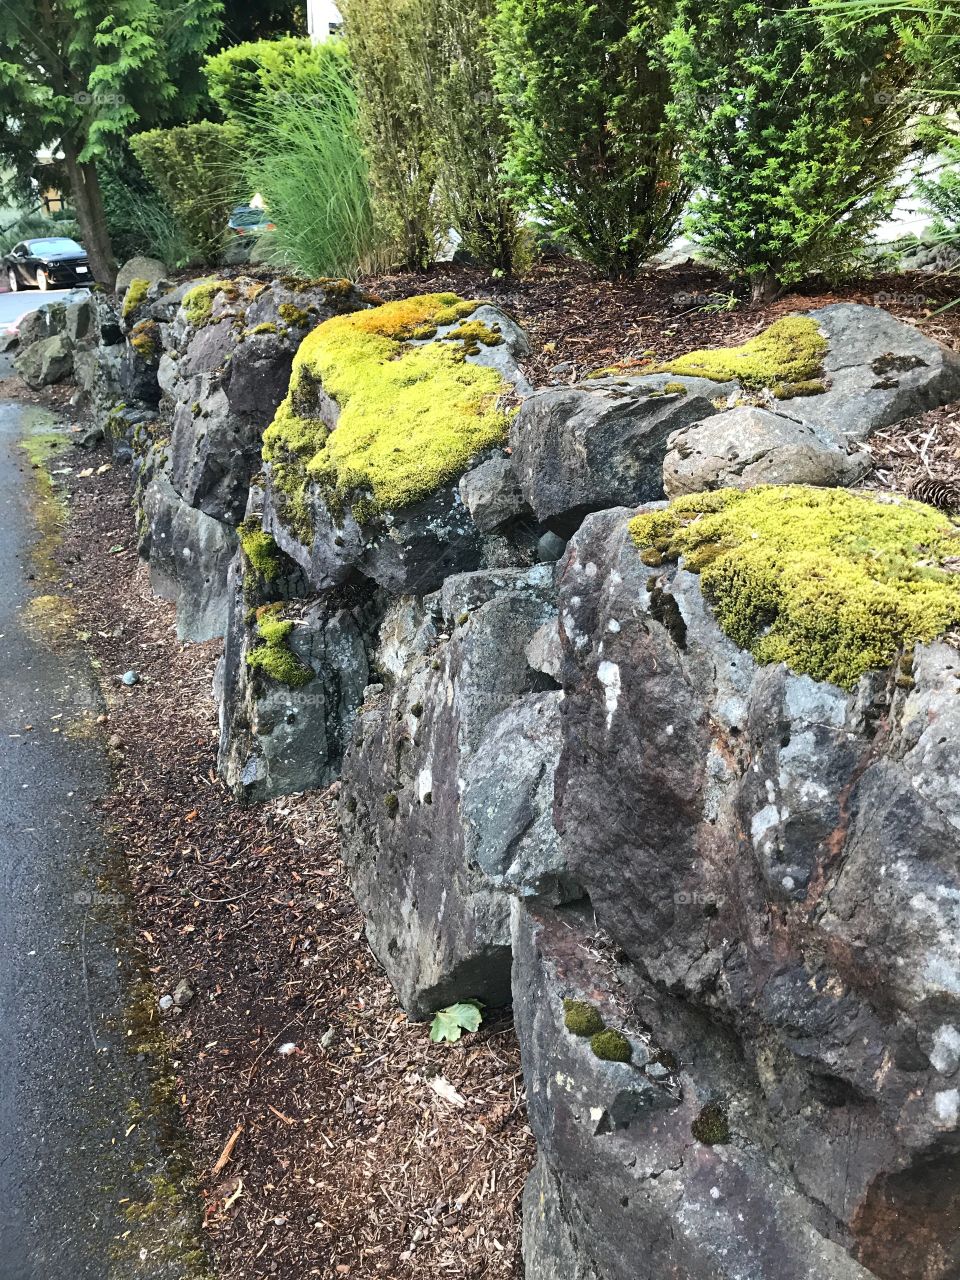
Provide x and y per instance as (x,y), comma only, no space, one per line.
(15,305)
(80,1133)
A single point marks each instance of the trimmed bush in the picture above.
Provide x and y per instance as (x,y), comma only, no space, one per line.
(592,150)
(242,78)
(385,52)
(467,132)
(796,127)
(192,169)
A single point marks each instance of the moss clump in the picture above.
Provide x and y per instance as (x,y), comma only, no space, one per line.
(266,327)
(830,582)
(790,350)
(293,315)
(674,389)
(198,302)
(581,1018)
(611,1046)
(790,390)
(474,334)
(391,802)
(410,417)
(133,298)
(273,656)
(711,1126)
(260,549)
(145,339)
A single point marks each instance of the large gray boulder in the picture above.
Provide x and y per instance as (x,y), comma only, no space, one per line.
(782,857)
(624,1188)
(580,449)
(46,361)
(189,554)
(748,446)
(438,926)
(140,268)
(879,369)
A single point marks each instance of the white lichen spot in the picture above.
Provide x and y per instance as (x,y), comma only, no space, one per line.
(424,784)
(613,625)
(596,1114)
(762,821)
(590,569)
(947,1106)
(945,1054)
(608,673)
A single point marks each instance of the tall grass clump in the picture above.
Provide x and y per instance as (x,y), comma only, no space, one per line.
(304,157)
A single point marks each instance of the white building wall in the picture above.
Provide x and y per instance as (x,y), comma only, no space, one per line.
(322,17)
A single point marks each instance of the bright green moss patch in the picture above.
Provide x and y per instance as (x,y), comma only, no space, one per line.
(272,655)
(198,302)
(294,315)
(266,327)
(145,339)
(611,1046)
(830,582)
(581,1018)
(411,417)
(789,390)
(674,389)
(790,350)
(136,292)
(260,549)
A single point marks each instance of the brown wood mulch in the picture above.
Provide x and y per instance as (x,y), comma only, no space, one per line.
(345,1160)
(348,1162)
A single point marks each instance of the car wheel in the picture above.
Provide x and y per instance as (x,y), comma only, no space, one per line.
(12,280)
(42,282)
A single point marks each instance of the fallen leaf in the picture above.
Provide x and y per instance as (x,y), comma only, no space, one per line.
(442,1087)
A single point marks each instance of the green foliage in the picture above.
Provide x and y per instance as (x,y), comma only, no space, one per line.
(790,350)
(190,168)
(830,582)
(245,76)
(411,417)
(386,54)
(941,195)
(31,225)
(582,1019)
(611,1046)
(592,150)
(796,129)
(711,1126)
(450,1023)
(138,219)
(464,122)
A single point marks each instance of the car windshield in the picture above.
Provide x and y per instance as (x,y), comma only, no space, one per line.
(248,217)
(56,244)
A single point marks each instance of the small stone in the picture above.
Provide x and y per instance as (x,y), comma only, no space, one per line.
(166,1003)
(115,742)
(656,1071)
(550,547)
(130,678)
(326,1040)
(183,993)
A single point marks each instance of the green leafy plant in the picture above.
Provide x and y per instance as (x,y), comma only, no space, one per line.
(190,167)
(139,220)
(592,149)
(450,1023)
(384,41)
(245,76)
(796,128)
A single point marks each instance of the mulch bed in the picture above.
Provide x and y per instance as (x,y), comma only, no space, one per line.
(348,1163)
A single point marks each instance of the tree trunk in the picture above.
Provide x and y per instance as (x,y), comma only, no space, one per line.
(88,201)
(765,287)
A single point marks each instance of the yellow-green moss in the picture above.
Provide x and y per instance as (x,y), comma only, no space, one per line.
(830,582)
(145,339)
(790,350)
(611,1046)
(410,417)
(260,548)
(198,302)
(272,655)
(674,389)
(294,315)
(133,298)
(581,1018)
(266,327)
(790,390)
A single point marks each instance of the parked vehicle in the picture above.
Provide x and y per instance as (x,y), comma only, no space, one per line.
(247,220)
(48,263)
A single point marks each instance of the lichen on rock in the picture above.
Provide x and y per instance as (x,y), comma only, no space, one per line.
(790,350)
(830,582)
(411,416)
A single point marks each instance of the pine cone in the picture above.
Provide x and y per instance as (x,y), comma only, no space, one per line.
(936,492)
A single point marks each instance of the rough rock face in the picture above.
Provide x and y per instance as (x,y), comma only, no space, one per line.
(439,928)
(580,449)
(189,554)
(880,371)
(45,361)
(781,856)
(747,446)
(140,268)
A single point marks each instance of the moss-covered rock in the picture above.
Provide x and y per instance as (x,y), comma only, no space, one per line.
(711,1127)
(611,1046)
(134,297)
(791,350)
(411,416)
(145,340)
(198,302)
(260,549)
(830,582)
(273,655)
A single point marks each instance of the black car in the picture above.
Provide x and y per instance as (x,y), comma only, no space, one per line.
(47,263)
